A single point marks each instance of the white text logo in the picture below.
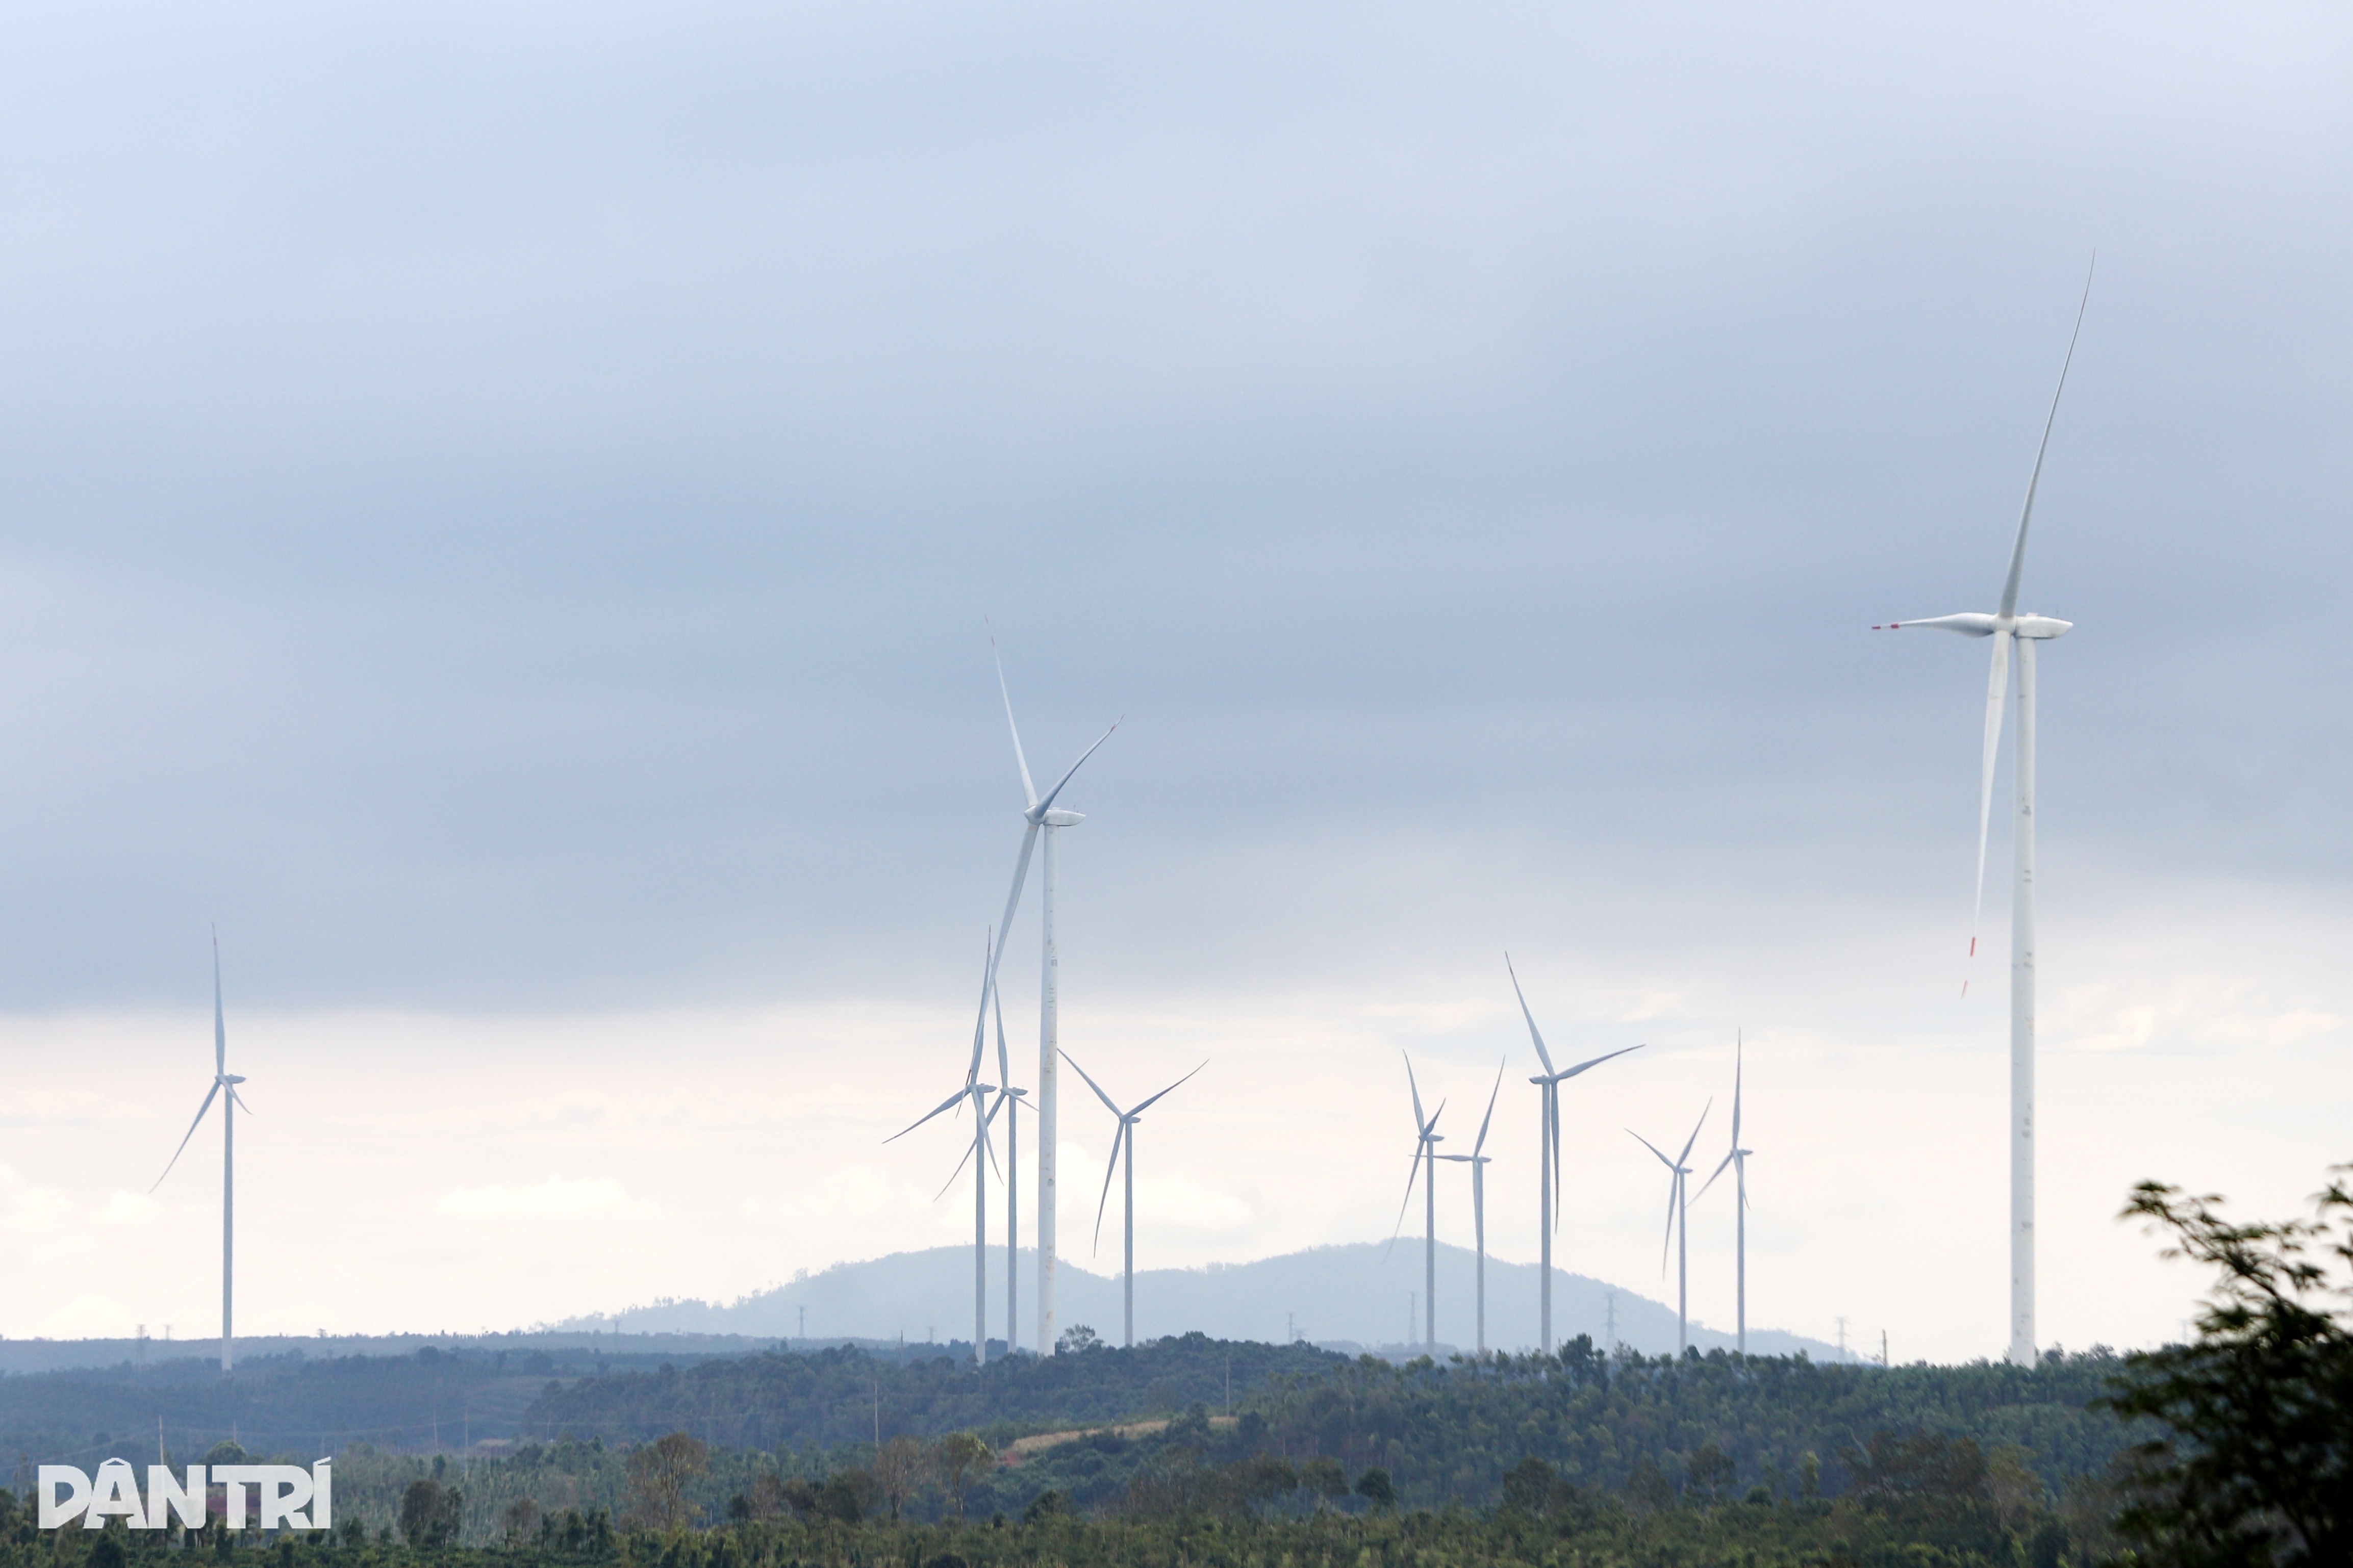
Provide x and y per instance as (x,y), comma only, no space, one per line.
(285,1497)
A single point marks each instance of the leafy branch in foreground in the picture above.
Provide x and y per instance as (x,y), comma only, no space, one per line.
(2257,1465)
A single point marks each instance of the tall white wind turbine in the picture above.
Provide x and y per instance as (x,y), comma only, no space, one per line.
(222,1079)
(1125,1137)
(1739,1162)
(1478,1160)
(2009,629)
(979,1155)
(1678,1224)
(1426,1140)
(1548,1162)
(1042,815)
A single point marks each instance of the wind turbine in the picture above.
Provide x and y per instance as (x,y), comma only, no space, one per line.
(1125,1136)
(980,1155)
(1478,1162)
(1678,1225)
(1041,815)
(222,1079)
(2008,627)
(1549,1163)
(1426,1139)
(1739,1160)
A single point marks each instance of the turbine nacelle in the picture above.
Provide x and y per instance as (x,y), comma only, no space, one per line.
(1059,816)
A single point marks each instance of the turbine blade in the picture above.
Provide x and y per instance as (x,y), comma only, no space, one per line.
(1694,1137)
(1736,1049)
(191,1133)
(1997,690)
(1711,1180)
(1412,1172)
(1653,1148)
(220,1029)
(951,1182)
(1673,1192)
(1489,1117)
(1092,1084)
(951,1101)
(1004,1067)
(1089,751)
(2026,513)
(1533,1033)
(1178,1084)
(1013,898)
(1420,1123)
(1028,790)
(239,1099)
(1972,624)
(987,1145)
(1109,1170)
(980,1024)
(1596,1061)
(1553,1111)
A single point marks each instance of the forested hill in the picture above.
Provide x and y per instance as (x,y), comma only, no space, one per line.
(1349,1297)
(1452,1432)
(841,1397)
(1444,1431)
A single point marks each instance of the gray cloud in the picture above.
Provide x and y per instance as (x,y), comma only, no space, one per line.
(498,508)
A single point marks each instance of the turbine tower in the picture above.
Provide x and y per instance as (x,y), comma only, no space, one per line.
(222,1079)
(1478,1161)
(1739,1160)
(1678,1224)
(1548,1161)
(2008,627)
(1042,815)
(980,1156)
(1125,1137)
(1426,1139)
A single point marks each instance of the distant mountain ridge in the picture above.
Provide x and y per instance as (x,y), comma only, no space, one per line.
(1350,1296)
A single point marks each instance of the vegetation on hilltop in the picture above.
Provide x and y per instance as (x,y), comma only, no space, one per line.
(838,1397)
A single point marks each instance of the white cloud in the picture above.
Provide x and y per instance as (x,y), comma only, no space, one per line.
(88,1317)
(129,1209)
(551,1199)
(24,1206)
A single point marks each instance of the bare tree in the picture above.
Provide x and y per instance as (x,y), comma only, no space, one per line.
(658,1472)
(898,1467)
(960,1458)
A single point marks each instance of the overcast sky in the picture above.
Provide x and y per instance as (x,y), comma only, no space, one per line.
(498,509)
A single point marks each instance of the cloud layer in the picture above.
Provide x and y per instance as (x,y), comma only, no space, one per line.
(498,512)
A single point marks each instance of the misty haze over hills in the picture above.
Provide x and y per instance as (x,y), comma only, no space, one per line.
(1344,1295)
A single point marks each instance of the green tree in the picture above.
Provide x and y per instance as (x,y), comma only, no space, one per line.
(1527,1486)
(429,1514)
(1710,1473)
(521,1520)
(1376,1488)
(2255,1464)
